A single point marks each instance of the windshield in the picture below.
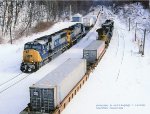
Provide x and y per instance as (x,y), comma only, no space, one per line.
(36,47)
(32,46)
(27,46)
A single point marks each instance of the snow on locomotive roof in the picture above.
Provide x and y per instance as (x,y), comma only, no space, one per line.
(41,41)
(59,74)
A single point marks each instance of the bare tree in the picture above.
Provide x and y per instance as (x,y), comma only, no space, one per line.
(22,15)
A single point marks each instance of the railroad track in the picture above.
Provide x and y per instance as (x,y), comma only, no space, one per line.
(123,47)
(12,82)
(117,43)
(10,79)
(121,39)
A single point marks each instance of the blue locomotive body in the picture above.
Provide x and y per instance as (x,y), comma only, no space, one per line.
(44,49)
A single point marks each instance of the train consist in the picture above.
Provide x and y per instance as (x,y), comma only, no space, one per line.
(106,31)
(52,93)
(42,50)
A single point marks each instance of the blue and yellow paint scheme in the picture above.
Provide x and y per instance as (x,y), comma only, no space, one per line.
(31,56)
(44,49)
(68,38)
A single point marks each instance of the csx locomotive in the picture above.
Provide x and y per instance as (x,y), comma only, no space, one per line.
(106,31)
(42,50)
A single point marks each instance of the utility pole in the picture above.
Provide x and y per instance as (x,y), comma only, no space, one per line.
(144,42)
(129,24)
(135,30)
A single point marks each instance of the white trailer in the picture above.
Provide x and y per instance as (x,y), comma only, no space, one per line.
(89,21)
(93,51)
(50,91)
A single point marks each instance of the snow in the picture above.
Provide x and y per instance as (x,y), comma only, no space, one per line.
(121,77)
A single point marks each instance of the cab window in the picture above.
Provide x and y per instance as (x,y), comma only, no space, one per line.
(27,46)
(63,35)
(36,47)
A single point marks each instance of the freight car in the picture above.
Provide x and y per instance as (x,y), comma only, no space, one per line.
(47,94)
(105,33)
(42,50)
(93,51)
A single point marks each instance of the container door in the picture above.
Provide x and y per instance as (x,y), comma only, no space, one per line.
(93,56)
(35,99)
(90,55)
(48,100)
(42,100)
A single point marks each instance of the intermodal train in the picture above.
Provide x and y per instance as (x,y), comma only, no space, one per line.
(106,31)
(52,93)
(42,50)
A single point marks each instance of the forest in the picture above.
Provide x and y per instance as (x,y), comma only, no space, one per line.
(23,17)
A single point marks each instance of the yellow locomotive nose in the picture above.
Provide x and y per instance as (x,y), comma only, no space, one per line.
(31,55)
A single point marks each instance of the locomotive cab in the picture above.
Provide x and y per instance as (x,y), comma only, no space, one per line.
(35,53)
(31,57)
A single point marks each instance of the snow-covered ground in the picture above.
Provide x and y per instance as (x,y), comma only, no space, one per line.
(121,78)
